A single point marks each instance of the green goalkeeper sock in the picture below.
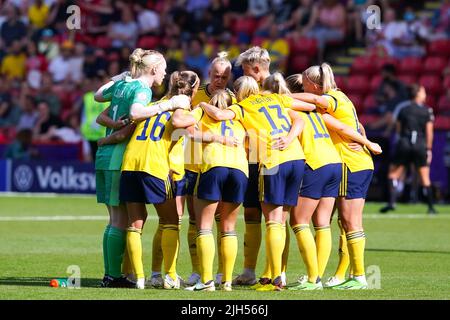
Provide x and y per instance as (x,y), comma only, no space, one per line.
(105,249)
(116,248)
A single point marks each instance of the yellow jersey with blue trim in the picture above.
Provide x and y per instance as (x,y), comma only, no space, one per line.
(193,151)
(216,154)
(176,159)
(316,141)
(340,107)
(266,118)
(149,146)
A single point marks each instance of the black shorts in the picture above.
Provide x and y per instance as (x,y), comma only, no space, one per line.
(406,153)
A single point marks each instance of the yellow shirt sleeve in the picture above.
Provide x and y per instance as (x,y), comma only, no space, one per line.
(197,113)
(285,100)
(332,103)
(238,111)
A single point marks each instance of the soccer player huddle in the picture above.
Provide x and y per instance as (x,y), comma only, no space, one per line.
(290,150)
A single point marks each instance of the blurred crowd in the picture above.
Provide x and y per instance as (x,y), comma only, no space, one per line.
(48,72)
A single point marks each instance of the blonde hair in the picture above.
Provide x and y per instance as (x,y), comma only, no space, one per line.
(141,61)
(254,55)
(221,99)
(322,76)
(295,82)
(221,59)
(275,83)
(244,87)
(182,82)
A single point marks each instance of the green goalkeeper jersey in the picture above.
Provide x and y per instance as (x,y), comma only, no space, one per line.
(122,95)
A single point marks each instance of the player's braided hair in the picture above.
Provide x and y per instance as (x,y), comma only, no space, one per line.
(183,82)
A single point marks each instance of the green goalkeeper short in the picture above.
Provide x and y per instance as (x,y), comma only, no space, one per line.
(107,184)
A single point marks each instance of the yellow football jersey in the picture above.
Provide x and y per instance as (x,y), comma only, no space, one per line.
(193,150)
(316,141)
(176,159)
(340,107)
(149,146)
(219,155)
(266,117)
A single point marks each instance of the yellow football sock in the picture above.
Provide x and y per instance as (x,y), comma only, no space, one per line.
(170,243)
(356,242)
(191,236)
(134,246)
(206,251)
(126,263)
(229,248)
(323,244)
(344,260)
(252,242)
(285,256)
(274,241)
(307,247)
(267,273)
(219,239)
(157,254)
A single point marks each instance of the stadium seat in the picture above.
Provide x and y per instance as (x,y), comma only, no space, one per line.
(306,46)
(443,105)
(103,42)
(358,84)
(375,82)
(380,62)
(363,65)
(148,42)
(431,83)
(408,78)
(367,118)
(440,48)
(369,103)
(299,63)
(447,82)
(257,41)
(431,102)
(410,65)
(442,123)
(434,65)
(357,101)
(245,25)
(341,82)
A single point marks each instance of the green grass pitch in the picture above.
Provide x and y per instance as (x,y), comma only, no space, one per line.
(411,250)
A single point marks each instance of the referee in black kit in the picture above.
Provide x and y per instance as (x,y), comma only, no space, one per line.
(414,125)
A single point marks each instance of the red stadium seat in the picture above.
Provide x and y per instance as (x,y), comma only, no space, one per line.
(431,102)
(257,41)
(434,65)
(447,82)
(341,82)
(410,65)
(443,105)
(306,46)
(367,118)
(148,42)
(440,48)
(357,101)
(358,84)
(245,25)
(369,103)
(432,84)
(299,63)
(103,42)
(383,61)
(375,82)
(363,65)
(442,123)
(408,78)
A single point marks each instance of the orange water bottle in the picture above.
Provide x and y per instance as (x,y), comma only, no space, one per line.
(58,282)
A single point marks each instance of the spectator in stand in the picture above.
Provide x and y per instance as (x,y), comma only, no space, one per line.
(47,45)
(216,12)
(68,132)
(441,21)
(13,29)
(46,122)
(93,62)
(36,64)
(66,66)
(300,17)
(21,148)
(9,114)
(148,20)
(327,24)
(124,32)
(174,55)
(388,95)
(196,7)
(29,116)
(196,59)
(58,12)
(226,44)
(278,49)
(258,8)
(13,64)
(46,94)
(38,14)
(264,26)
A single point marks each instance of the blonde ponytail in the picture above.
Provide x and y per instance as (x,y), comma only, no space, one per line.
(141,61)
(222,59)
(275,83)
(244,87)
(322,76)
(221,99)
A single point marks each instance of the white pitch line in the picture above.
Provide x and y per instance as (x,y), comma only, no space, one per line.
(154,217)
